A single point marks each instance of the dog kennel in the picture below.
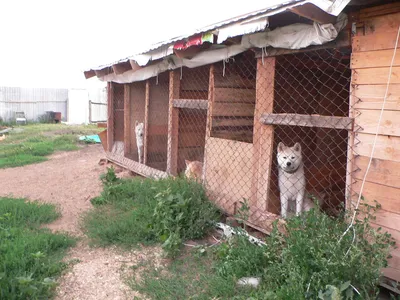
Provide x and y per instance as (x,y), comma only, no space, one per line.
(230,113)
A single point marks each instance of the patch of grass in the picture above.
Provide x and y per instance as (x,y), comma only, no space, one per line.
(308,262)
(30,257)
(134,211)
(32,143)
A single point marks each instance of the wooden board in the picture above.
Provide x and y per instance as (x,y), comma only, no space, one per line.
(371,96)
(236,122)
(235,95)
(387,219)
(375,76)
(135,166)
(233,110)
(385,195)
(127,120)
(384,172)
(374,59)
(263,138)
(229,172)
(382,24)
(374,42)
(110,117)
(386,147)
(173,124)
(307,120)
(192,104)
(146,122)
(379,10)
(390,123)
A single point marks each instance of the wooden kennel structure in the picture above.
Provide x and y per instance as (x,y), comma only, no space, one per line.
(233,126)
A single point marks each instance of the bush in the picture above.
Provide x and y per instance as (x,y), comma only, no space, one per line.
(309,262)
(134,211)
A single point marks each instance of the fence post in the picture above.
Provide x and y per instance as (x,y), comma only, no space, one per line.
(110,118)
(173,123)
(127,120)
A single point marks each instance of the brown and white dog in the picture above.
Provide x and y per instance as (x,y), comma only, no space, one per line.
(194,169)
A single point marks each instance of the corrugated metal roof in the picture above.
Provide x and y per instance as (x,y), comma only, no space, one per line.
(333,7)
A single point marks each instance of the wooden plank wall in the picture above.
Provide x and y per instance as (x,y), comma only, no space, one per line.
(373,48)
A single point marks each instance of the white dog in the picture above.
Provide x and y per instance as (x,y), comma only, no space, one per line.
(292,181)
(139,131)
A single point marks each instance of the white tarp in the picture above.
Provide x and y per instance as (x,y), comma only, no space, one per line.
(294,36)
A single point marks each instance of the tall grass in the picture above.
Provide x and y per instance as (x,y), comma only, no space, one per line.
(138,211)
(30,257)
(33,143)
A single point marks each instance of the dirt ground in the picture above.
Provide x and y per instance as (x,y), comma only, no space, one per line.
(70,180)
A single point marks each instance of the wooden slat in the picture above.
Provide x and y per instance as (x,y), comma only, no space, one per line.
(382,24)
(307,121)
(110,117)
(375,76)
(379,10)
(193,94)
(387,219)
(374,59)
(190,103)
(263,139)
(127,120)
(390,123)
(104,72)
(135,166)
(374,42)
(146,122)
(392,273)
(232,122)
(313,13)
(173,123)
(394,262)
(386,147)
(385,195)
(89,74)
(384,172)
(235,95)
(233,109)
(371,96)
(350,152)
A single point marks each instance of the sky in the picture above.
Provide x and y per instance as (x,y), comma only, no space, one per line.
(50,43)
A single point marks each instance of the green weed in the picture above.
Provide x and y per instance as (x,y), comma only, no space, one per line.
(30,257)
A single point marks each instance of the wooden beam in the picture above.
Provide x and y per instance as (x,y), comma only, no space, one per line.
(173,123)
(307,121)
(122,67)
(263,139)
(313,13)
(127,120)
(189,103)
(134,65)
(110,117)
(104,72)
(146,122)
(89,74)
(136,167)
(233,109)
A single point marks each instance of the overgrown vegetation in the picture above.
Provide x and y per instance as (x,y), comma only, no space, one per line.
(137,211)
(32,143)
(30,257)
(310,261)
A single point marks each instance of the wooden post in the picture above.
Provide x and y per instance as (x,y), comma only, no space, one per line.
(173,123)
(350,153)
(211,96)
(146,121)
(90,111)
(127,120)
(110,118)
(263,136)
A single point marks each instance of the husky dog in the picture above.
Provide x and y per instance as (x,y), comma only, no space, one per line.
(292,182)
(139,131)
(194,169)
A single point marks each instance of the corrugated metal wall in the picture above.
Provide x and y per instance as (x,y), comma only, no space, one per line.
(98,105)
(33,101)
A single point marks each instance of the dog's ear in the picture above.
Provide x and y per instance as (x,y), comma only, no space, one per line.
(297,147)
(187,162)
(281,147)
(136,123)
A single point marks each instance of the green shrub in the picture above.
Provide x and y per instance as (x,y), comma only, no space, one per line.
(133,211)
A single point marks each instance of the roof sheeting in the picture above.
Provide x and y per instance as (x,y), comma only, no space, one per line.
(245,24)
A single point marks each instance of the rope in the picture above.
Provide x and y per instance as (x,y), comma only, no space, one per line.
(373,147)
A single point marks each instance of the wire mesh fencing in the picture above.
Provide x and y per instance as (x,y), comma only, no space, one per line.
(268,132)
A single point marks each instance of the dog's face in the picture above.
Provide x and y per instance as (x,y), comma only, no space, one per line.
(139,129)
(194,169)
(289,158)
